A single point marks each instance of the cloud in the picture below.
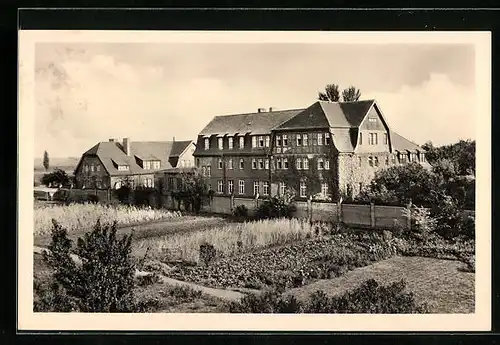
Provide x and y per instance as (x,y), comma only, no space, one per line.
(437,110)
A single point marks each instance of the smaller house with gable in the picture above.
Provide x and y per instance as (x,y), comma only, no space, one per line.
(109,164)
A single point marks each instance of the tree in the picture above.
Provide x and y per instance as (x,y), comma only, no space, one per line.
(57,177)
(331,94)
(351,94)
(462,154)
(46,163)
(103,279)
(193,190)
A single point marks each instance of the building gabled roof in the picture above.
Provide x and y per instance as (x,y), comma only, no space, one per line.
(400,143)
(255,123)
(111,155)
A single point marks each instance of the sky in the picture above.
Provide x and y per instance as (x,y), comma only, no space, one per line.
(90,92)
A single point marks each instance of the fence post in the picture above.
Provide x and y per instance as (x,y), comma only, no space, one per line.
(339,211)
(408,216)
(309,209)
(372,214)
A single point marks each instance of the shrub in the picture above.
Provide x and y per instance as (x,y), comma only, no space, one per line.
(148,279)
(93,198)
(275,207)
(368,298)
(240,211)
(451,222)
(423,225)
(104,280)
(185,293)
(207,253)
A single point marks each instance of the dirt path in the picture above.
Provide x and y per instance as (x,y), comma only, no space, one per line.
(151,229)
(228,295)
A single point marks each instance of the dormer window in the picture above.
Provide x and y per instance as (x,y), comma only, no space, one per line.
(261,141)
(207,144)
(320,139)
(267,140)
(304,139)
(278,140)
(254,141)
(230,142)
(299,140)
(221,143)
(327,138)
(242,142)
(123,167)
(285,140)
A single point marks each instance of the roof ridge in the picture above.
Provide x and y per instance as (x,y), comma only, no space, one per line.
(359,101)
(263,112)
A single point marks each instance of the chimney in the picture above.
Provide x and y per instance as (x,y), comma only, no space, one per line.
(261,110)
(126,146)
(111,140)
(270,109)
(173,139)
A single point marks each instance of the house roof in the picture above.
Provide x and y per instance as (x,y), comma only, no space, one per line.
(255,123)
(400,143)
(111,155)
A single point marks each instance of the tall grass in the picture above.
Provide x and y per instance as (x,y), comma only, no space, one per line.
(230,239)
(84,216)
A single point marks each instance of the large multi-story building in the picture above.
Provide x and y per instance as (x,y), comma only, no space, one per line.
(325,150)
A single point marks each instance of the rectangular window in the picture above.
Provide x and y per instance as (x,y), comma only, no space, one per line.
(360,138)
(305,139)
(254,163)
(324,190)
(98,168)
(146,165)
(156,165)
(92,167)
(197,162)
(148,183)
(327,164)
(256,187)
(261,164)
(267,140)
(282,188)
(230,163)
(203,170)
(261,141)
(265,188)
(298,163)
(267,164)
(121,167)
(306,163)
(386,160)
(285,140)
(372,119)
(376,138)
(321,164)
(220,186)
(242,142)
(221,143)
(371,140)
(285,163)
(242,164)
(230,186)
(254,141)
(327,138)
(385,139)
(171,183)
(278,140)
(209,171)
(303,189)
(393,159)
(241,187)
(220,163)
(370,161)
(375,161)
(299,139)
(280,164)
(207,144)
(320,139)
(230,142)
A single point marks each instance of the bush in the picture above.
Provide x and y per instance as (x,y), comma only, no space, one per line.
(93,198)
(240,211)
(207,253)
(275,207)
(368,298)
(423,225)
(148,279)
(450,219)
(104,279)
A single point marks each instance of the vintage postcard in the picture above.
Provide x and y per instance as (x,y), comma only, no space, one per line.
(311,181)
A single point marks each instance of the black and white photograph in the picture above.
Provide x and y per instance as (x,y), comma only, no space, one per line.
(316,181)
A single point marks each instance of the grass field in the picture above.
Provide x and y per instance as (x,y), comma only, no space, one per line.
(229,239)
(437,282)
(77,217)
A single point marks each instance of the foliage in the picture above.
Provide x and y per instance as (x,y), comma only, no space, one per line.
(193,191)
(331,94)
(148,279)
(104,280)
(462,154)
(451,221)
(93,198)
(46,160)
(207,253)
(75,217)
(241,211)
(404,183)
(275,207)
(369,298)
(57,177)
(351,94)
(423,224)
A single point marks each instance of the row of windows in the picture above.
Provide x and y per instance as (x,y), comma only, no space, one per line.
(264,140)
(147,182)
(373,139)
(91,168)
(265,188)
(373,161)
(263,164)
